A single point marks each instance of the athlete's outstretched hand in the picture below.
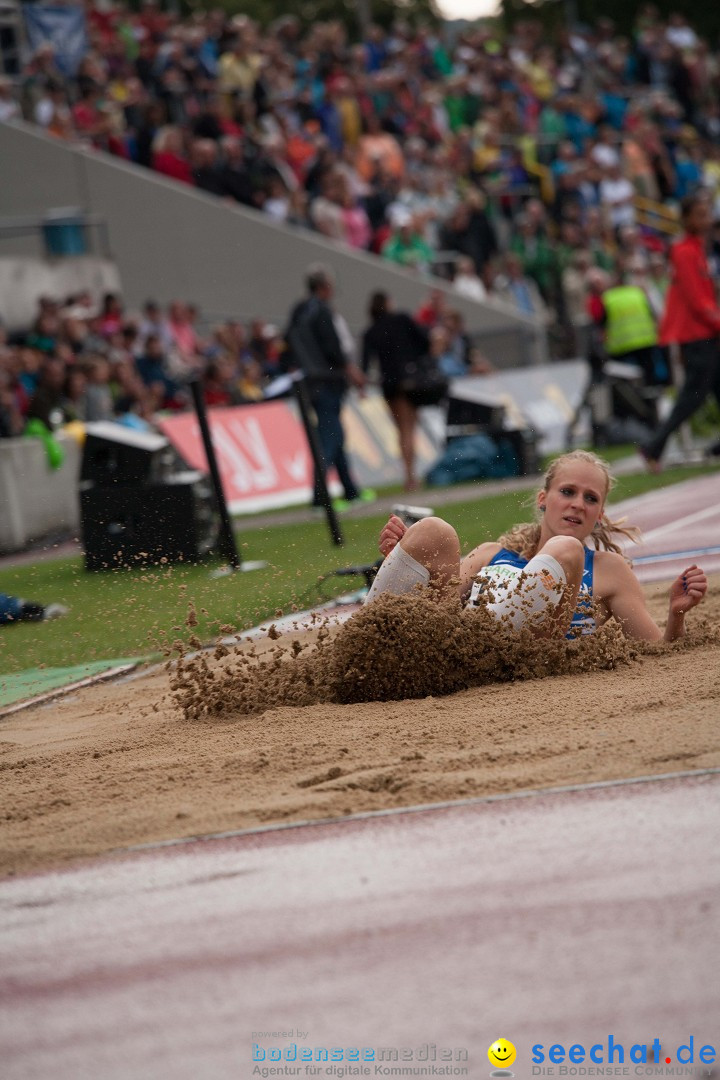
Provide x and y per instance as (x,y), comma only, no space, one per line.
(391,535)
(688,590)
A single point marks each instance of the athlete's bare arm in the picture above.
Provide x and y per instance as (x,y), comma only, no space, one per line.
(617,587)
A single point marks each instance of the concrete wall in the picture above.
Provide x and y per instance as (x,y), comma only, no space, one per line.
(24,279)
(170,242)
(35,499)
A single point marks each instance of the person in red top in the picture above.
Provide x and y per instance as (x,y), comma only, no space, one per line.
(691,320)
(168,157)
(433,310)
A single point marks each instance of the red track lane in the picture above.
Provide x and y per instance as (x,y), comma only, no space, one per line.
(679,518)
(559,917)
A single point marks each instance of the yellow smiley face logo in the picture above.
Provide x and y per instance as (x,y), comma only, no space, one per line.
(502,1054)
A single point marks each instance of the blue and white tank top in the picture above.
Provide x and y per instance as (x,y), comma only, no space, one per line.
(582,621)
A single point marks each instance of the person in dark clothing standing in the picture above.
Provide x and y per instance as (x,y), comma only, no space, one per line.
(469,231)
(205,171)
(396,341)
(234,176)
(691,320)
(315,348)
(46,404)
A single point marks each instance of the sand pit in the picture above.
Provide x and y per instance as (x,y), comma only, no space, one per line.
(118,765)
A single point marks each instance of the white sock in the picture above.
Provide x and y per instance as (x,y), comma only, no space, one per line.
(399,574)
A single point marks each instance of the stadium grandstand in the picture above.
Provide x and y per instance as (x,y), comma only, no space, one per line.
(523,169)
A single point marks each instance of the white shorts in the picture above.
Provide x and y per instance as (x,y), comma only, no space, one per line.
(519,592)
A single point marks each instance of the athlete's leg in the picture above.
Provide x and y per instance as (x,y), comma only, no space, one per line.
(428,554)
(700,358)
(543,594)
(569,554)
(404,414)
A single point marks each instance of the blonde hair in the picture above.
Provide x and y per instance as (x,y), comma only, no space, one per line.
(525,538)
(164,137)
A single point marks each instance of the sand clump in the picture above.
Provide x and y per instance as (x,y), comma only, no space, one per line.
(399,647)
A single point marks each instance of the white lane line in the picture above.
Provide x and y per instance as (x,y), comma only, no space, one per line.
(682,523)
(654,501)
(705,774)
(689,554)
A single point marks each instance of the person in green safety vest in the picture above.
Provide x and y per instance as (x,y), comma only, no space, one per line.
(630,328)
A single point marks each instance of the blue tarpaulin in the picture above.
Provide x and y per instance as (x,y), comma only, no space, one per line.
(473,457)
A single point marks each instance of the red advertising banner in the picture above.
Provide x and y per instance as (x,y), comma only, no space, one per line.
(264,458)
(262,453)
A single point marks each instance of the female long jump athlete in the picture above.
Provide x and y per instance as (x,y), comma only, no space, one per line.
(553,557)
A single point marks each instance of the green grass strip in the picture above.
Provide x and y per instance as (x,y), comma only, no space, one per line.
(35,681)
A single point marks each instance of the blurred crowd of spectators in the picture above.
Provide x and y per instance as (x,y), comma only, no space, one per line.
(86,360)
(509,164)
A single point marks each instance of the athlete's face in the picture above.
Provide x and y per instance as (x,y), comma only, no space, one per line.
(574,501)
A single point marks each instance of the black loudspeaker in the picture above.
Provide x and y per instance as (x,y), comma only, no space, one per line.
(174,521)
(524,443)
(118,456)
(470,417)
(465,417)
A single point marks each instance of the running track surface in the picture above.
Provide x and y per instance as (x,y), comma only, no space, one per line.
(556,917)
(680,526)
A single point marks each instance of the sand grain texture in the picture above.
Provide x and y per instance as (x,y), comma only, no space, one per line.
(117,765)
